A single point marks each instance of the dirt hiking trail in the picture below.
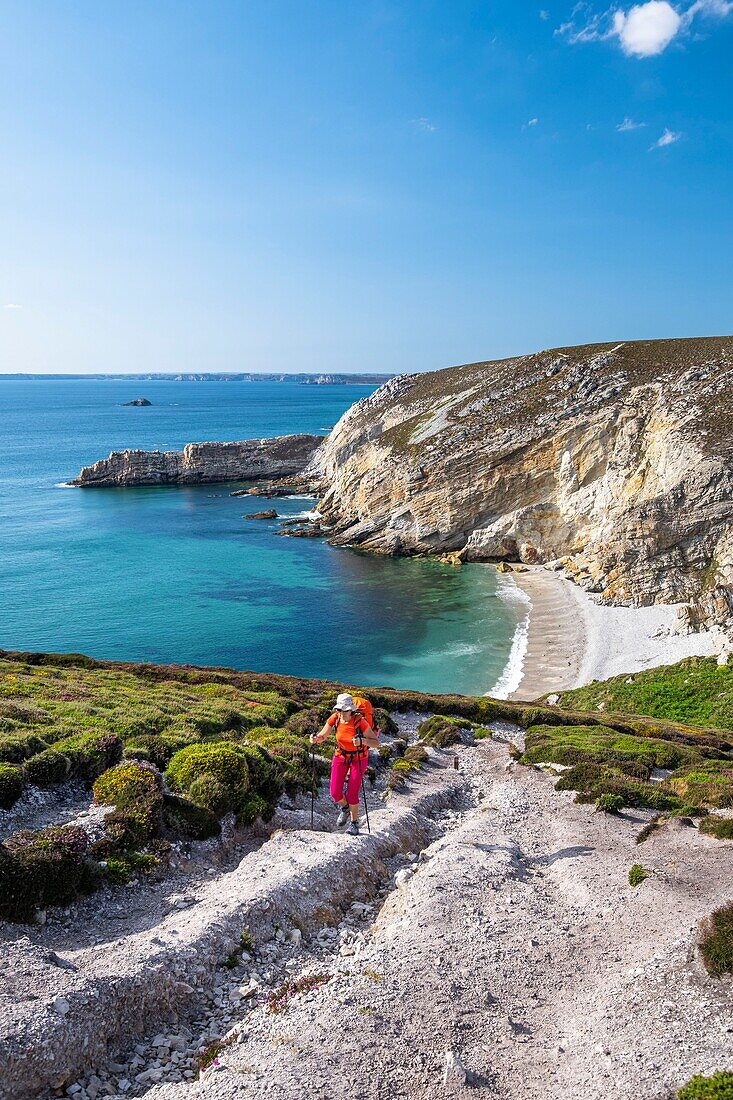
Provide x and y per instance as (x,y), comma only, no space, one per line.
(510,959)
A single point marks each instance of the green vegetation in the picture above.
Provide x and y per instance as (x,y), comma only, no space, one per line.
(47,768)
(119,869)
(719,827)
(610,804)
(717,1087)
(48,867)
(11,785)
(637,874)
(602,762)
(696,691)
(231,740)
(441,730)
(716,941)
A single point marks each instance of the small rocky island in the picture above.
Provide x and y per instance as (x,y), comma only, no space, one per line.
(138,402)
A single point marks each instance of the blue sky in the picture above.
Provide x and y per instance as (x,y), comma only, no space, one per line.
(387,185)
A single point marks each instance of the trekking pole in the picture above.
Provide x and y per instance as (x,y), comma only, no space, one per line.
(363,791)
(313,784)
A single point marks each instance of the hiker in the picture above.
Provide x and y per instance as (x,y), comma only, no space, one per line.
(354,735)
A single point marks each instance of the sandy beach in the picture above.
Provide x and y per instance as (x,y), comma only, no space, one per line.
(573,640)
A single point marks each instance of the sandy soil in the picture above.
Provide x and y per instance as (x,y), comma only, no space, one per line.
(511,960)
(573,640)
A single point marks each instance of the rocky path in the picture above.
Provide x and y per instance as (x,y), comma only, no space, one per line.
(511,959)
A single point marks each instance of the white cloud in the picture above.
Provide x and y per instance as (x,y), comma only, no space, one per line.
(645,30)
(11,305)
(669,137)
(714,8)
(545,15)
(533,122)
(628,124)
(424,124)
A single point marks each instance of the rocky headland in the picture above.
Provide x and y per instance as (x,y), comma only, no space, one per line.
(198,463)
(613,461)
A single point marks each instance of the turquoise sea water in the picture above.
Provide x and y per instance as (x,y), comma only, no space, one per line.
(177,575)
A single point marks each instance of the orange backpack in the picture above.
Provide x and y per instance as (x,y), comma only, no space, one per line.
(364,708)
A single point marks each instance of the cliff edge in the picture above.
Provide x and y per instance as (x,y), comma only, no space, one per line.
(612,459)
(197,463)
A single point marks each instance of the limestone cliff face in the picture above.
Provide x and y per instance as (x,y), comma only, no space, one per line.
(205,462)
(615,459)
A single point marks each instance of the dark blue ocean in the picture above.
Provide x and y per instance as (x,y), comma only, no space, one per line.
(176,574)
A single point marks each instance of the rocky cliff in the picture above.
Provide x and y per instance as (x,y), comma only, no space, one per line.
(613,458)
(205,462)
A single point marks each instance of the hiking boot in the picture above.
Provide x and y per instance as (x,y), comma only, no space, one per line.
(353,829)
(343,816)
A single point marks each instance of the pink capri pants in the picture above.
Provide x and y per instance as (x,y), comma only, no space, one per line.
(339,767)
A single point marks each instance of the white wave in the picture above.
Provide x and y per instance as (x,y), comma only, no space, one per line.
(64,485)
(313,515)
(513,673)
(300,496)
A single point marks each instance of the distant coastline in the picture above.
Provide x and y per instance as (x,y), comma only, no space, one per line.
(315,379)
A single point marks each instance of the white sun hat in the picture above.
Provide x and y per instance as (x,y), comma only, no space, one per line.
(345,702)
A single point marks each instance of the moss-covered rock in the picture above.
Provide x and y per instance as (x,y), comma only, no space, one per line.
(11,785)
(15,748)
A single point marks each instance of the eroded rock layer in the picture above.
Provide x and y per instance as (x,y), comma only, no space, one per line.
(615,459)
(205,462)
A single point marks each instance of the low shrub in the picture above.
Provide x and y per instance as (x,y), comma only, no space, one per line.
(158,748)
(482,734)
(217,773)
(292,756)
(119,869)
(384,722)
(416,754)
(16,748)
(183,819)
(47,768)
(707,784)
(610,803)
(134,789)
(39,869)
(716,941)
(719,827)
(593,744)
(637,874)
(90,754)
(442,731)
(211,794)
(254,806)
(717,1087)
(11,785)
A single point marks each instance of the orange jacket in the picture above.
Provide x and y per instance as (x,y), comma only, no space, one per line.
(345,732)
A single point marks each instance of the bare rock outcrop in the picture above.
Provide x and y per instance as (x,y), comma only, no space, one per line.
(614,460)
(204,462)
